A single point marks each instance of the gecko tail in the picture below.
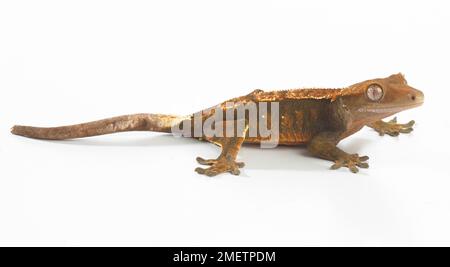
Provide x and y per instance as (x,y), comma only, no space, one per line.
(135,122)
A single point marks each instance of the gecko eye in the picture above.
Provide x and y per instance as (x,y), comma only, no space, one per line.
(374,92)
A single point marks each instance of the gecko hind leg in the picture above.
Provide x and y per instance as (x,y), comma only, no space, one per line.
(391,127)
(226,162)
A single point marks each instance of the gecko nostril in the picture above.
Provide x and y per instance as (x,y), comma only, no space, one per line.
(413,97)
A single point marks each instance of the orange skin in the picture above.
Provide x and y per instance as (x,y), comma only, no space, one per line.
(319,118)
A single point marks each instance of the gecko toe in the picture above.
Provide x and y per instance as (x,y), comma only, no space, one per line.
(363,165)
(203,161)
(364,158)
(208,171)
(353,168)
(336,166)
(406,130)
(410,123)
(200,170)
(236,171)
(393,134)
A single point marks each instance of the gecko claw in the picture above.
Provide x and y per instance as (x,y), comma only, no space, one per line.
(218,166)
(393,128)
(352,162)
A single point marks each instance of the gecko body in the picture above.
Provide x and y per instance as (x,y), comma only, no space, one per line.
(317,118)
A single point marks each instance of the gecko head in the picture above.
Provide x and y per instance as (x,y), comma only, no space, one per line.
(375,99)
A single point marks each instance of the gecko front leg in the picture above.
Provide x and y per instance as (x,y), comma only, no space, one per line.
(323,146)
(226,162)
(391,127)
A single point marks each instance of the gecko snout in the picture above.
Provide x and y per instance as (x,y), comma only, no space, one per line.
(416,96)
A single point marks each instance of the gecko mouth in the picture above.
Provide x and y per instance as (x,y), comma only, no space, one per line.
(389,109)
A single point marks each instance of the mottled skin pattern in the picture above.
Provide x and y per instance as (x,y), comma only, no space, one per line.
(318,118)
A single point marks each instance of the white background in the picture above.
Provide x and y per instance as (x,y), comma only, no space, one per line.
(64,62)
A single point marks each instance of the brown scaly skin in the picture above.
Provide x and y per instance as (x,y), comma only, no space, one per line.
(319,118)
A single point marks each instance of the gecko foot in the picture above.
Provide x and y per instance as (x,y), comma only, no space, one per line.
(393,128)
(351,161)
(220,165)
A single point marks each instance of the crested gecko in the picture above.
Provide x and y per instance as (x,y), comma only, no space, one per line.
(317,118)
